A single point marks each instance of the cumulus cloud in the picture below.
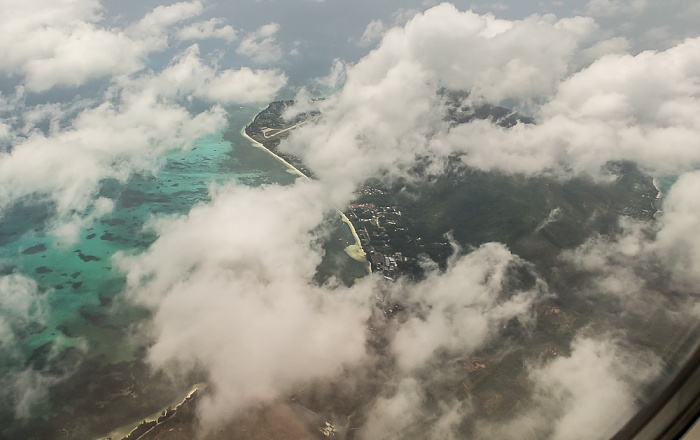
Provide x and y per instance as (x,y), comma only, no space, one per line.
(574,394)
(336,77)
(126,130)
(188,75)
(403,415)
(112,139)
(395,86)
(463,307)
(597,116)
(162,17)
(66,44)
(22,306)
(261,46)
(609,8)
(24,310)
(245,287)
(213,28)
(62,44)
(676,242)
(592,104)
(256,322)
(373,32)
(240,278)
(620,107)
(446,318)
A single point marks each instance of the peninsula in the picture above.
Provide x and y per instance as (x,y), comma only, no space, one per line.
(267,131)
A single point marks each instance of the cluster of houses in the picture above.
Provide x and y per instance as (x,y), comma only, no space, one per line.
(374,225)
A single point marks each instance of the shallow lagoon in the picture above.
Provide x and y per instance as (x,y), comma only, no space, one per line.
(88,351)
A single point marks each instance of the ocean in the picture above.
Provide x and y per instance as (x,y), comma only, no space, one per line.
(84,357)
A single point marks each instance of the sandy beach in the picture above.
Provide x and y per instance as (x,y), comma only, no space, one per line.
(346,220)
(286,164)
(655,182)
(125,431)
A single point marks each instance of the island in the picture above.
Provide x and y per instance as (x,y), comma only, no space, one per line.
(409,228)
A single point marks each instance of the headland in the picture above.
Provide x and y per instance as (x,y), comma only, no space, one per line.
(267,130)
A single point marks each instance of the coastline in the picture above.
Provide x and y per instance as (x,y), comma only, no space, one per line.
(355,251)
(655,182)
(155,418)
(271,153)
(358,245)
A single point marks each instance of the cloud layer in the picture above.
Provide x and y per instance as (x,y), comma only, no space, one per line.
(387,115)
(231,284)
(256,323)
(128,128)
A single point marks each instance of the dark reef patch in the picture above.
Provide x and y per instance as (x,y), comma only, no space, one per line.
(41,247)
(43,269)
(105,299)
(113,222)
(7,270)
(130,198)
(108,236)
(65,331)
(39,356)
(88,258)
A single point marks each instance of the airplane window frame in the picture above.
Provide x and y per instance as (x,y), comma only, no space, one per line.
(673,411)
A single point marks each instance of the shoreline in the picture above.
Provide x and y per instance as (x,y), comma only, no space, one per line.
(124,432)
(343,217)
(655,182)
(358,245)
(271,153)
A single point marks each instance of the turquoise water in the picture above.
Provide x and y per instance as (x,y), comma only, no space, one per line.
(665,183)
(89,330)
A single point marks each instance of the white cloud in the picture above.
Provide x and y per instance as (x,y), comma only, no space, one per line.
(462,308)
(126,130)
(610,8)
(614,265)
(373,32)
(162,17)
(240,276)
(336,77)
(388,109)
(598,375)
(109,140)
(574,394)
(189,75)
(62,43)
(615,45)
(677,242)
(622,107)
(23,307)
(245,289)
(213,28)
(245,286)
(261,46)
(403,415)
(22,304)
